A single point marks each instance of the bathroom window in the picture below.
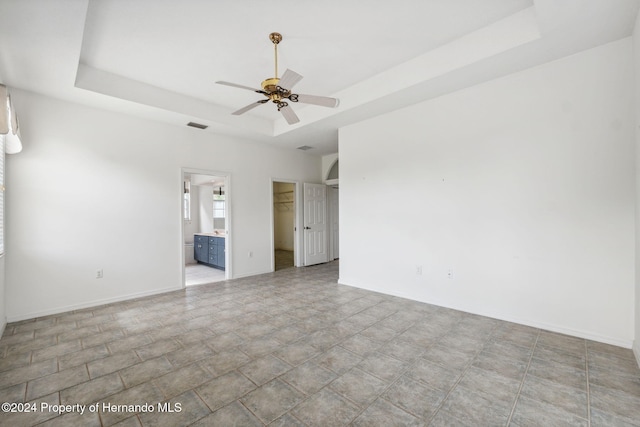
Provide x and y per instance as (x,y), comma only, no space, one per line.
(218,204)
(186,201)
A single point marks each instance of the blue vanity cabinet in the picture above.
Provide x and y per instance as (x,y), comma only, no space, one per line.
(209,250)
(219,249)
(201,248)
(213,252)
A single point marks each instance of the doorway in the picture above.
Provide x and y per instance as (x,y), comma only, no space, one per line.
(284,229)
(205,227)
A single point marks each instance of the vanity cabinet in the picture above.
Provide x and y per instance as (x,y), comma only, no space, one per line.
(201,248)
(209,250)
(216,252)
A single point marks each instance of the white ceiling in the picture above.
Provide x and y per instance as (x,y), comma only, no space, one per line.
(159,59)
(205,180)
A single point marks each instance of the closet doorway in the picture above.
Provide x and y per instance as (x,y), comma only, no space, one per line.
(284,225)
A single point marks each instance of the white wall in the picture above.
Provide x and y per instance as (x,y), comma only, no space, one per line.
(523,187)
(205,208)
(76,191)
(636,58)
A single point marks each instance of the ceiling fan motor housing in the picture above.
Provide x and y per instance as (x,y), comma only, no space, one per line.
(270,85)
(276,93)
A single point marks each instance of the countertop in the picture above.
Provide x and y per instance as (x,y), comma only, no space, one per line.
(211,234)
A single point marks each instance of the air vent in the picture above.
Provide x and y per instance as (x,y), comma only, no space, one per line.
(197,125)
(305,148)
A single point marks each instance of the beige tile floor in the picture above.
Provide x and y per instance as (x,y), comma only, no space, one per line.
(199,274)
(293,348)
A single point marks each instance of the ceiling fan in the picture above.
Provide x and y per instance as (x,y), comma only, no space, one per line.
(278,90)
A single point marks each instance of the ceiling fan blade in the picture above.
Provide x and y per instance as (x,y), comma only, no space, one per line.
(323,101)
(249,107)
(240,86)
(289,79)
(289,115)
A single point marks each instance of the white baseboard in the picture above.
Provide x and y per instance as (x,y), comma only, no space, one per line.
(255,273)
(89,304)
(508,318)
(4,325)
(636,351)
(95,303)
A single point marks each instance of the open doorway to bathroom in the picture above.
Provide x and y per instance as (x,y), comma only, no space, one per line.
(284,214)
(205,227)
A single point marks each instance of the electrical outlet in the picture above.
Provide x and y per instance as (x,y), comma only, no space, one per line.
(419,270)
(99,274)
(250,254)
(450,274)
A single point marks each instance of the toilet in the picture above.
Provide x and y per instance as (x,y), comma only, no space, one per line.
(188,253)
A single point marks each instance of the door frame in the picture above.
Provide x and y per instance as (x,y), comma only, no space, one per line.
(228,273)
(333,199)
(297,236)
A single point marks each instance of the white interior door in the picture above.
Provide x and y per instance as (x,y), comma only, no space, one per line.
(315,224)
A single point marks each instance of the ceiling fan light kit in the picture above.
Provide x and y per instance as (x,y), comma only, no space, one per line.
(278,90)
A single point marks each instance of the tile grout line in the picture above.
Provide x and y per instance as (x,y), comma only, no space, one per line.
(393,382)
(379,396)
(466,368)
(464,371)
(524,377)
(339,394)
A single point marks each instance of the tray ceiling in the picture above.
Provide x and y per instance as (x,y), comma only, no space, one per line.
(159,59)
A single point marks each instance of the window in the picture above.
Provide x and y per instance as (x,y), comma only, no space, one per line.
(186,201)
(218,203)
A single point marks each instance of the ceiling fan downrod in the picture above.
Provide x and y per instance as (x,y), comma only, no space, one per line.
(271,85)
(274,92)
(275,39)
